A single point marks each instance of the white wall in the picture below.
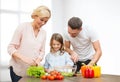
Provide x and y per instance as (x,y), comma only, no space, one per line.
(104,17)
(57,16)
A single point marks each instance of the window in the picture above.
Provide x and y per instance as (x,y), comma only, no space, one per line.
(13,12)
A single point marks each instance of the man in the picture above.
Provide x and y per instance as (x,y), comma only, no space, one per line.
(85,44)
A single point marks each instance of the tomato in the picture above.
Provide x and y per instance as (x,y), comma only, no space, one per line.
(59,77)
(44,77)
(51,78)
(52,73)
(48,76)
(58,73)
(55,76)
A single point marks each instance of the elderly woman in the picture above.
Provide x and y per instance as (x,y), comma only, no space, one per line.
(27,47)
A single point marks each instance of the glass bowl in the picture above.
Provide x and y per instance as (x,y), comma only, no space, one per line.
(66,70)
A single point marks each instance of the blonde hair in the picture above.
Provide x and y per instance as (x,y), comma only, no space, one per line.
(41,11)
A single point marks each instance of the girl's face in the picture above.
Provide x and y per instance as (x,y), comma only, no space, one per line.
(56,45)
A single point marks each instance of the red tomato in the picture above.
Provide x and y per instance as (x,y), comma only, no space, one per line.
(55,76)
(59,77)
(58,73)
(44,77)
(52,73)
(48,76)
(51,78)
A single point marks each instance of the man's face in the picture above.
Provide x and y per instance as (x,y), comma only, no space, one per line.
(73,32)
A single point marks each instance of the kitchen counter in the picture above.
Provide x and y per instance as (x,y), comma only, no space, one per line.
(79,78)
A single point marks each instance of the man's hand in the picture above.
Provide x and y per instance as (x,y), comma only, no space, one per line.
(91,63)
(74,57)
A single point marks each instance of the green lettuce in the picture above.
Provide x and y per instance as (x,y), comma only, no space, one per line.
(35,71)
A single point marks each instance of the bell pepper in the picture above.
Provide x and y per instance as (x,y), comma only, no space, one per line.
(83,70)
(88,72)
(97,71)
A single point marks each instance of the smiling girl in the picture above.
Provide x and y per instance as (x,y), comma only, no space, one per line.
(57,56)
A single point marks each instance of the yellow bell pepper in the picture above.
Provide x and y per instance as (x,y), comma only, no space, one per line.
(97,71)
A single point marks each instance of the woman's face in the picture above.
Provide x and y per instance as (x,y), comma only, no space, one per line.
(56,45)
(40,21)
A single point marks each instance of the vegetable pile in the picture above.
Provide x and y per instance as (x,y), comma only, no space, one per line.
(36,71)
(91,71)
(53,75)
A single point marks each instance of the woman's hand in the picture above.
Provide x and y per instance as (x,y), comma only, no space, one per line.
(38,60)
(29,61)
(25,59)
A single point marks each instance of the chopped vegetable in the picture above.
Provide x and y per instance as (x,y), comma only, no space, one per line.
(68,74)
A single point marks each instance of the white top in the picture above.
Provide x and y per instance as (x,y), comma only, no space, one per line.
(25,43)
(82,44)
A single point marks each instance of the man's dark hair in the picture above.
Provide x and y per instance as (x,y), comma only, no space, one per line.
(75,23)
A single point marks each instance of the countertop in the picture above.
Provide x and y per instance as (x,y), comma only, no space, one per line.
(79,78)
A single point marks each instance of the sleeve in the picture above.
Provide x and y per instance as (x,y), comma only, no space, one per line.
(92,34)
(68,60)
(15,42)
(65,36)
(46,64)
